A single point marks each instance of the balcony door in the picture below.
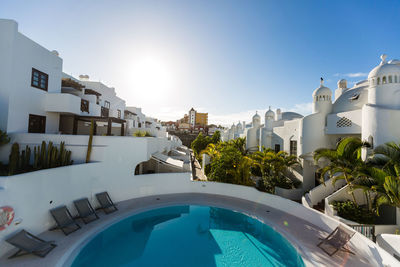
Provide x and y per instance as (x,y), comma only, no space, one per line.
(37,124)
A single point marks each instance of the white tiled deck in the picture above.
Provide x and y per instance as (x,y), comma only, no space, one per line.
(303,235)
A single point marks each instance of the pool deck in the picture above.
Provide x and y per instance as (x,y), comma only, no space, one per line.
(301,234)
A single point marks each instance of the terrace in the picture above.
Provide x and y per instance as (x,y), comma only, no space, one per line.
(303,233)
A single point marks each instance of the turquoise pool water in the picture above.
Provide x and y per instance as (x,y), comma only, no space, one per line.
(188,236)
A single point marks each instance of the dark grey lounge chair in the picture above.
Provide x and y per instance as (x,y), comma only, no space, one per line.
(30,244)
(64,220)
(106,203)
(85,210)
(337,240)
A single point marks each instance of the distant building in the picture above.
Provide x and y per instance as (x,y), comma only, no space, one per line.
(195,118)
(202,119)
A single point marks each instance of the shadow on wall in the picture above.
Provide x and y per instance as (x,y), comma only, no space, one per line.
(153,166)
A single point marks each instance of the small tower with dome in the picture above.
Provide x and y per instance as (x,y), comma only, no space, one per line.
(381,114)
(267,131)
(341,88)
(322,99)
(253,134)
(384,81)
(269,119)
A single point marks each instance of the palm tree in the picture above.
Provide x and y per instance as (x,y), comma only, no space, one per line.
(273,167)
(240,144)
(242,171)
(386,174)
(211,150)
(345,161)
(388,157)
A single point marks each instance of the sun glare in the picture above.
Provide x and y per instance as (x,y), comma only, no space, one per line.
(152,76)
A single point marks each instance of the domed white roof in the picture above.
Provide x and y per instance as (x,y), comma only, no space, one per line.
(385,68)
(269,113)
(394,61)
(342,83)
(288,115)
(322,90)
(256,116)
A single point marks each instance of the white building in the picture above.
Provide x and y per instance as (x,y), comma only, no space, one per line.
(37,97)
(30,82)
(369,110)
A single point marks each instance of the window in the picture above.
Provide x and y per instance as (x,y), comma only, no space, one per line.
(119,113)
(39,79)
(390,78)
(277,148)
(395,79)
(106,104)
(104,112)
(84,105)
(344,122)
(37,124)
(378,81)
(293,148)
(384,80)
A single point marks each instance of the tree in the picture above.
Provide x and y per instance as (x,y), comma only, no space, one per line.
(344,162)
(385,174)
(242,172)
(387,157)
(240,144)
(201,142)
(216,137)
(273,168)
(223,165)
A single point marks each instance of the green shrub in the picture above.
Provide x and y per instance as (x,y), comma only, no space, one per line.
(348,210)
(142,134)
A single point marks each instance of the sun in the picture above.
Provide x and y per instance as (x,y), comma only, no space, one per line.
(152,75)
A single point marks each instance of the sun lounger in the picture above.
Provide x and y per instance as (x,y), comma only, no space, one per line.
(85,210)
(30,244)
(337,240)
(106,203)
(64,220)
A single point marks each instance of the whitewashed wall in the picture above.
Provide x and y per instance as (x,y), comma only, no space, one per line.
(354,116)
(19,55)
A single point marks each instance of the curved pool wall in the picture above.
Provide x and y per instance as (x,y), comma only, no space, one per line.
(52,187)
(188,235)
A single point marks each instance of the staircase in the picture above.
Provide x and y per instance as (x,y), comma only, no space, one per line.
(320,206)
(315,198)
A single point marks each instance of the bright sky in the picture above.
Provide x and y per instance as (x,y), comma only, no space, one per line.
(227,58)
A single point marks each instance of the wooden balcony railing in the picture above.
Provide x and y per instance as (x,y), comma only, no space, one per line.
(105,112)
(84,105)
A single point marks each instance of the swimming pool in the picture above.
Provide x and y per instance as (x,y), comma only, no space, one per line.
(188,236)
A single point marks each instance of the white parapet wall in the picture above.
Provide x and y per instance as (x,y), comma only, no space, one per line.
(114,161)
(390,243)
(103,148)
(320,192)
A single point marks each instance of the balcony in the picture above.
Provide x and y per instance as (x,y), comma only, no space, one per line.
(63,103)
